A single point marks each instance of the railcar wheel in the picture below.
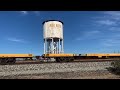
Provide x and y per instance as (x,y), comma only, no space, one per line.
(60,59)
(71,59)
(63,59)
(11,60)
(7,60)
(57,60)
(67,59)
(0,60)
(3,61)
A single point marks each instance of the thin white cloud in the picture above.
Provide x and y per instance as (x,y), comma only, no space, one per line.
(89,35)
(37,12)
(106,22)
(24,12)
(113,15)
(79,39)
(112,40)
(111,19)
(28,12)
(16,40)
(109,24)
(114,29)
(108,18)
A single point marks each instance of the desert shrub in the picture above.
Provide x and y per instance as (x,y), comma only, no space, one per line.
(115,67)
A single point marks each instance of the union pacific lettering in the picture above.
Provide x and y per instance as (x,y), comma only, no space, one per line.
(55,25)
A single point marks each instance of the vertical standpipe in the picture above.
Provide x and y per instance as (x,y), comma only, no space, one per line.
(53,37)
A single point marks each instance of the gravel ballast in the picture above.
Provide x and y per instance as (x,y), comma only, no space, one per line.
(52,68)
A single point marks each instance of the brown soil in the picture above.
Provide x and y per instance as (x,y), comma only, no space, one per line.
(67,75)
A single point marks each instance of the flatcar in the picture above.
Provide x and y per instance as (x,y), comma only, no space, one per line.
(72,57)
(11,58)
(60,57)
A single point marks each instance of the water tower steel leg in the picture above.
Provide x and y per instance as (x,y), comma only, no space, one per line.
(52,46)
(48,46)
(44,46)
(56,47)
(59,45)
(62,47)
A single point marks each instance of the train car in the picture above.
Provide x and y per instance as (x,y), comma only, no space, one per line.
(64,57)
(72,57)
(11,58)
(60,57)
(68,57)
(111,55)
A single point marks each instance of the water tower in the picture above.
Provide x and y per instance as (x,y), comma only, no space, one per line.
(53,37)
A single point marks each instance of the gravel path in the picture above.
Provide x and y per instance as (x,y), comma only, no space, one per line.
(52,68)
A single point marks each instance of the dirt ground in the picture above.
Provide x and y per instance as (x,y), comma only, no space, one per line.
(67,75)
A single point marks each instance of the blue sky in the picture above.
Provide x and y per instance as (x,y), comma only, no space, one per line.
(84,31)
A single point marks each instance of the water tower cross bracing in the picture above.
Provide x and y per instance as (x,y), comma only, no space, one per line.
(53,37)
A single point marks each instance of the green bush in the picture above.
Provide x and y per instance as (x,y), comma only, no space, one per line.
(116,64)
(115,67)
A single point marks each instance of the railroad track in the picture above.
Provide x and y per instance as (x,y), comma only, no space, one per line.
(81,60)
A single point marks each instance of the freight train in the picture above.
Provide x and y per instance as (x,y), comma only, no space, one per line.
(11,58)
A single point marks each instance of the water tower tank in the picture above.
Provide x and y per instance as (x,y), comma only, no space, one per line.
(53,29)
(53,36)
